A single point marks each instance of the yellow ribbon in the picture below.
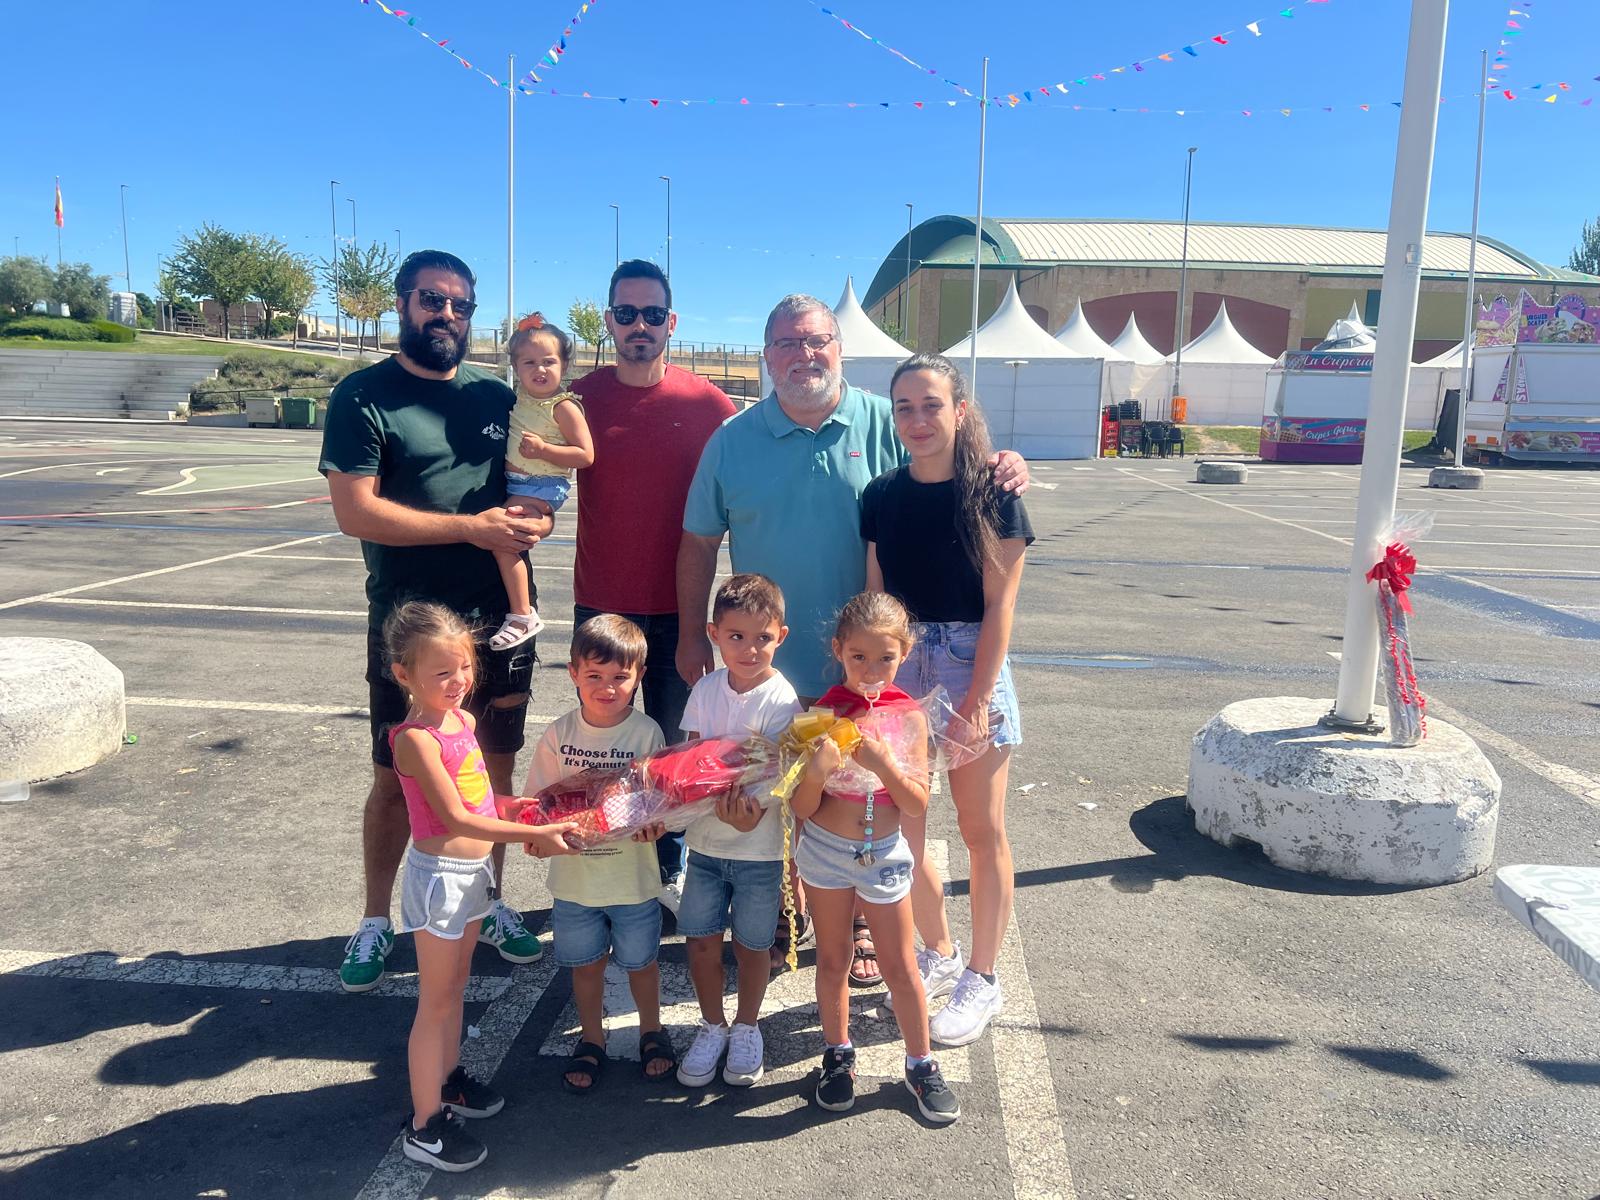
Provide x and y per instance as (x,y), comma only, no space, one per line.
(797,747)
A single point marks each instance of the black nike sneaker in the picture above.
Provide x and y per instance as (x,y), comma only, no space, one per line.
(837,1090)
(444,1143)
(469,1098)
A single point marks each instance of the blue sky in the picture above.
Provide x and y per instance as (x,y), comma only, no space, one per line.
(241,114)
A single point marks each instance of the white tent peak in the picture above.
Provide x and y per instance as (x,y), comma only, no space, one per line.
(1078,336)
(1349,333)
(1010,333)
(1222,343)
(859,336)
(1450,358)
(1131,344)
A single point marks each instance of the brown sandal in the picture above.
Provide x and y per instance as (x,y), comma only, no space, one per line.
(864,971)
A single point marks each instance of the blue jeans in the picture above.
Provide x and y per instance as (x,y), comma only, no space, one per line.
(715,888)
(631,933)
(665,696)
(944,655)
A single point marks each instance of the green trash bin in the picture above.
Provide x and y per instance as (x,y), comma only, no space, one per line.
(299,412)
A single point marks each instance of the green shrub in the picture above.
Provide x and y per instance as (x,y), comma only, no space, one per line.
(111,331)
(282,326)
(52,329)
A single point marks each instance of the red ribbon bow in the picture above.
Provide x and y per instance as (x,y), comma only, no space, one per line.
(1396,569)
(531,321)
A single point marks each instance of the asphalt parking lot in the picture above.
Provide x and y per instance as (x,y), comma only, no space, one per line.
(1182,1021)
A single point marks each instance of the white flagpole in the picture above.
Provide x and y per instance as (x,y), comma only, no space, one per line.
(977,239)
(511,195)
(1391,366)
(1470,324)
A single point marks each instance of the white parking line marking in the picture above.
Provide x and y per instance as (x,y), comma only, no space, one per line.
(202,562)
(227,608)
(201,972)
(1584,787)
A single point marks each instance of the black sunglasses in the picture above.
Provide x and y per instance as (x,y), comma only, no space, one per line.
(434,302)
(653,314)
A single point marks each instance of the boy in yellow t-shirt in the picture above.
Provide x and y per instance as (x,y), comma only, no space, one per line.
(606,898)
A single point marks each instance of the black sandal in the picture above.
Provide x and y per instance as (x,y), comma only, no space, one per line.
(589,1061)
(864,952)
(656,1046)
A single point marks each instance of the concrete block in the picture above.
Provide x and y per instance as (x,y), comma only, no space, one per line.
(61,708)
(1465,478)
(1344,804)
(1215,472)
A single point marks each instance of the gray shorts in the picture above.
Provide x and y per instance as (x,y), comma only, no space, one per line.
(444,895)
(826,860)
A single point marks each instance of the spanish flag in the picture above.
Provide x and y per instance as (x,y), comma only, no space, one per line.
(61,216)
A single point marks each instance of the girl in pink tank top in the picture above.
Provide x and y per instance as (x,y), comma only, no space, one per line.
(455,820)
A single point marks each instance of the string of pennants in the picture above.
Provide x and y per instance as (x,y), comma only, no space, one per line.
(558,48)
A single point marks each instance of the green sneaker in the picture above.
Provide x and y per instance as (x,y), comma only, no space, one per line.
(503,929)
(364,954)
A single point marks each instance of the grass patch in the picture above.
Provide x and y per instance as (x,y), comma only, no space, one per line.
(1246,439)
(270,371)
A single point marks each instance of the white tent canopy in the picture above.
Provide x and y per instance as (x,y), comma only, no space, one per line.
(1041,399)
(1222,343)
(1349,333)
(1131,344)
(1450,358)
(1078,336)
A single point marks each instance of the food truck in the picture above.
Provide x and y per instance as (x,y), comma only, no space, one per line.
(1315,409)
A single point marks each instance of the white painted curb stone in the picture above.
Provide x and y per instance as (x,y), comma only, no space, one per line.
(61,708)
(1214,472)
(1467,478)
(1349,805)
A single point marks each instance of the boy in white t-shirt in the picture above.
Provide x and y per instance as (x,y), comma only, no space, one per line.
(735,868)
(605,898)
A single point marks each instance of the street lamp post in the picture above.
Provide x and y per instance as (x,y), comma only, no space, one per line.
(360,325)
(1016,365)
(617,234)
(667,179)
(905,292)
(333,213)
(1183,285)
(127,271)
(397,243)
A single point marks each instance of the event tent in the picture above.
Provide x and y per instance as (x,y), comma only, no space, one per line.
(1223,376)
(1078,336)
(1041,399)
(1143,373)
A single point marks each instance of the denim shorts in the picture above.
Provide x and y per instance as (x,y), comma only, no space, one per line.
(445,896)
(714,887)
(826,860)
(631,932)
(552,489)
(943,656)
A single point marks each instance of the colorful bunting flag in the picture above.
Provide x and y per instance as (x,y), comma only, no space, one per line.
(862,33)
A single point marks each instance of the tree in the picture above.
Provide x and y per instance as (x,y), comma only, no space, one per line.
(1586,254)
(285,282)
(586,323)
(215,264)
(892,328)
(365,283)
(23,283)
(86,295)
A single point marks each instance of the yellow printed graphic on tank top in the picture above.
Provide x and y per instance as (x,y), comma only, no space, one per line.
(472,779)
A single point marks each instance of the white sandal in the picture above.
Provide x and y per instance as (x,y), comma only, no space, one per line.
(514,630)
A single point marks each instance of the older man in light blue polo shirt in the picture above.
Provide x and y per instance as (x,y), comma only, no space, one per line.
(783,480)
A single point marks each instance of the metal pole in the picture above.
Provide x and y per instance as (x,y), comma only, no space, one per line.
(977,231)
(1183,282)
(1470,323)
(397,243)
(1016,365)
(511,185)
(333,213)
(1397,327)
(356,249)
(617,235)
(905,292)
(668,181)
(127,271)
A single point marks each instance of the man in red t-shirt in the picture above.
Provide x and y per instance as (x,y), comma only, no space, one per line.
(649,421)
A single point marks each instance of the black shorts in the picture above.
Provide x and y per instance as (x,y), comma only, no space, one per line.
(500,673)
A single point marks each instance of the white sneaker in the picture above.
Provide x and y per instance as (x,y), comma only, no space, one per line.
(974,1004)
(746,1055)
(672,894)
(939,974)
(699,1066)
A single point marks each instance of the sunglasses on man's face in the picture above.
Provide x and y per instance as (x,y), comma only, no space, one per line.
(434,302)
(653,314)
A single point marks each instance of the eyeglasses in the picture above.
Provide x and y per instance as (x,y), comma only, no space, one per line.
(816,343)
(434,302)
(653,314)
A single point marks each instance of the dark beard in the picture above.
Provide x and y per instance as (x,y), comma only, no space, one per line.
(433,346)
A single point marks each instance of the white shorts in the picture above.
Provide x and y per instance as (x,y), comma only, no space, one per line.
(826,860)
(444,895)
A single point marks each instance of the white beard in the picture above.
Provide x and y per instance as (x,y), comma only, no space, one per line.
(810,393)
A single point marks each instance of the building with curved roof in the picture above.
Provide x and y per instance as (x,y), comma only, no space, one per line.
(1284,284)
